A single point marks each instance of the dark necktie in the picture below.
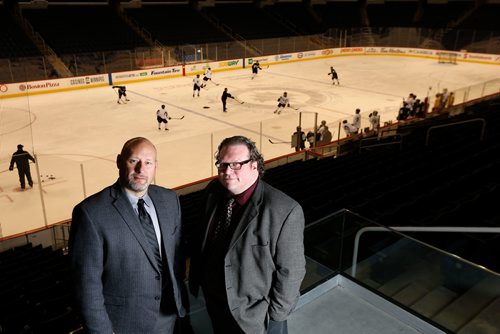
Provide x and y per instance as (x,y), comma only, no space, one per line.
(149,231)
(225,220)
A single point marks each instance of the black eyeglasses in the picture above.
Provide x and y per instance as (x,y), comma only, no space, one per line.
(232,165)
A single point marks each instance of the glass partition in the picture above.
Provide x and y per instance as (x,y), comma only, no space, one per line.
(441,287)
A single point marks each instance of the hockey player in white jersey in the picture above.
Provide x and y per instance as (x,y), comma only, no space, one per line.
(283,102)
(162,117)
(356,120)
(207,77)
(196,85)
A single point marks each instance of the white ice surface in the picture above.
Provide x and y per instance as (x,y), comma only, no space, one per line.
(76,135)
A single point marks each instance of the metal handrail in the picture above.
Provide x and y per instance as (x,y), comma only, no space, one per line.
(399,141)
(482,120)
(432,229)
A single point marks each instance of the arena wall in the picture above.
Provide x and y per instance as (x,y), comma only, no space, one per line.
(120,78)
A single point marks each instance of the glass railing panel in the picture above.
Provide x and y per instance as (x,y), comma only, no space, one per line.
(16,129)
(316,273)
(61,186)
(440,286)
(97,173)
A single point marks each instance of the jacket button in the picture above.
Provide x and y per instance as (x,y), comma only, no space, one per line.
(157,297)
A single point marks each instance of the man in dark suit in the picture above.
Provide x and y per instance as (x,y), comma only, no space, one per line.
(124,250)
(251,253)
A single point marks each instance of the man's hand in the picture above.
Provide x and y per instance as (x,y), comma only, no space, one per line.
(11,168)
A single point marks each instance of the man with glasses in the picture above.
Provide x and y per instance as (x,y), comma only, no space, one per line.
(250,257)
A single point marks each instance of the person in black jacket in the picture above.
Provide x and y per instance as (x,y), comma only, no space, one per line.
(224,97)
(21,158)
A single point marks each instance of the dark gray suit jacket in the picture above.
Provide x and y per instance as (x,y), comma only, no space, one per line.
(117,282)
(265,263)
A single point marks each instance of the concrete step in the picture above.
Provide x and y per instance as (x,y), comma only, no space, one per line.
(467,306)
(433,302)
(411,293)
(486,322)
(419,272)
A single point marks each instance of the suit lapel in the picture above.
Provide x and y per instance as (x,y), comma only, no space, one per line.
(125,210)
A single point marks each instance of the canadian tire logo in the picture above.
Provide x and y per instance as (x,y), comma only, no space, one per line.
(22,88)
(3,88)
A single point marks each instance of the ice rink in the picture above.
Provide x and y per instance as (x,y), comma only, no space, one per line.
(76,135)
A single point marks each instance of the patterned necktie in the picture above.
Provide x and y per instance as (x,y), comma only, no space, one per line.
(225,220)
(149,231)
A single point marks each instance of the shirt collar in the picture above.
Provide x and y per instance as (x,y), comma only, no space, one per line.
(134,199)
(244,197)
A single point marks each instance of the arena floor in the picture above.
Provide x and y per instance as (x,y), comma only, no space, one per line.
(76,135)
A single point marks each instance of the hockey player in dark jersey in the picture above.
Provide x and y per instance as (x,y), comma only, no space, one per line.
(334,75)
(255,69)
(122,91)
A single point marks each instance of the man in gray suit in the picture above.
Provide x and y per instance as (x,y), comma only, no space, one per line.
(251,253)
(125,250)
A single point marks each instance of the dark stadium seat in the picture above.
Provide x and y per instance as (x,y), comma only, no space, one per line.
(176,24)
(76,29)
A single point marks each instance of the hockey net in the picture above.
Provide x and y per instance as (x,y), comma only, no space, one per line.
(447,58)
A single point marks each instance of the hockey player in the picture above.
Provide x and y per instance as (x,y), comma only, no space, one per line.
(122,91)
(224,97)
(196,85)
(356,120)
(299,139)
(207,76)
(334,75)
(375,121)
(349,128)
(255,69)
(162,117)
(283,102)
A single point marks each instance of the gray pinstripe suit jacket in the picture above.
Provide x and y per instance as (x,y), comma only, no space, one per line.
(117,282)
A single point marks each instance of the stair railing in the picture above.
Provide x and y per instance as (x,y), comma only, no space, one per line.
(431,229)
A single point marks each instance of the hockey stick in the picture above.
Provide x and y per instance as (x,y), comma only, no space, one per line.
(177,117)
(295,108)
(279,142)
(240,102)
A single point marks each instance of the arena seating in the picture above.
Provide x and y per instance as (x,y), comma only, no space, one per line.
(298,15)
(248,21)
(13,41)
(484,17)
(79,29)
(340,14)
(440,15)
(401,13)
(176,24)
(35,291)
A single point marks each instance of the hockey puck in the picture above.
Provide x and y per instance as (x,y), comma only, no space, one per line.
(206,107)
